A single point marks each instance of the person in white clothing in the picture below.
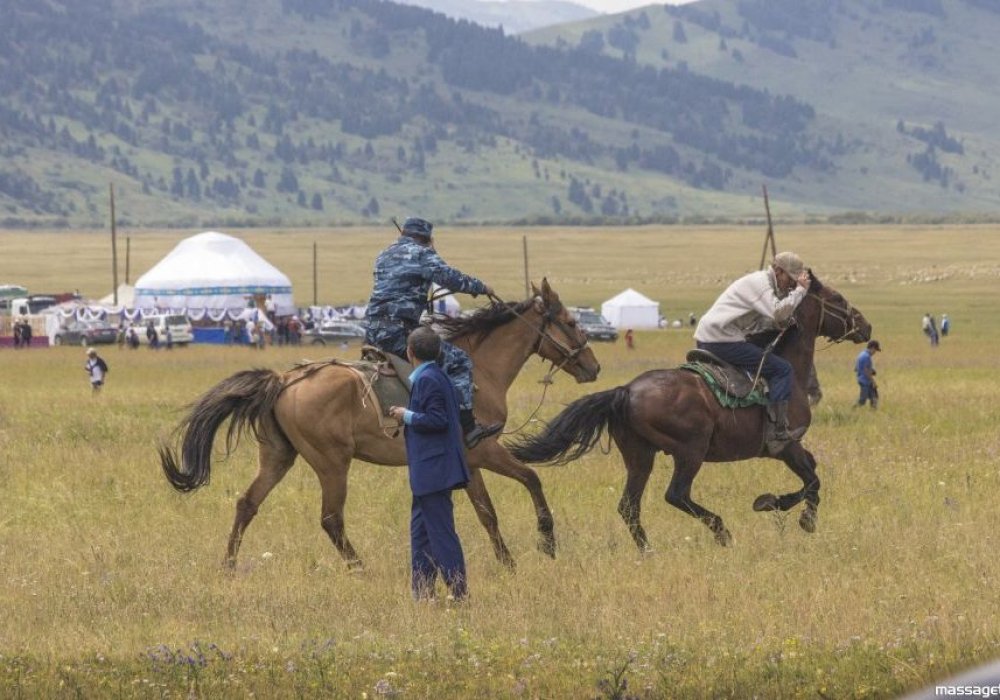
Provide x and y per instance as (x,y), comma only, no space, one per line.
(759,302)
(97,369)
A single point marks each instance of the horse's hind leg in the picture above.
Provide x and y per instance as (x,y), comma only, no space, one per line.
(487,514)
(679,496)
(803,464)
(275,458)
(639,465)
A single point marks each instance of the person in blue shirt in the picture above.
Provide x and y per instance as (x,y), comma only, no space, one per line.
(865,371)
(403,275)
(437,466)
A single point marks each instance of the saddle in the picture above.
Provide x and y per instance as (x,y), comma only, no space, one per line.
(733,387)
(385,378)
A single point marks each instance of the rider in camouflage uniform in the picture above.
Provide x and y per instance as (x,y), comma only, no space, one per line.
(403,275)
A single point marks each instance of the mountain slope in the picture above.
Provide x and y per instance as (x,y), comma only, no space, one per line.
(318,111)
(515,17)
(907,85)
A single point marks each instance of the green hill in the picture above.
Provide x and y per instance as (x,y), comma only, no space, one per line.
(304,112)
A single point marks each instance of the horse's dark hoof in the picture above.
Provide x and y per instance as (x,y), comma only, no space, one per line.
(765,502)
(723,538)
(355,566)
(807,521)
(547,546)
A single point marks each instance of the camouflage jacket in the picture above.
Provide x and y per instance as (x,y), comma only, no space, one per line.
(403,275)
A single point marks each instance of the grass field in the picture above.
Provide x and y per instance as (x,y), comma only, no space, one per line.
(111,584)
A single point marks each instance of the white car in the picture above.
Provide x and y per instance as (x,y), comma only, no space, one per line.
(181,332)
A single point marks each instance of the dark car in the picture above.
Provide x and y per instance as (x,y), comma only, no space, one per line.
(86,333)
(595,326)
(334,332)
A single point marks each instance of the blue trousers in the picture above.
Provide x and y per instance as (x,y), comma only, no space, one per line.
(435,547)
(454,361)
(747,356)
(868,393)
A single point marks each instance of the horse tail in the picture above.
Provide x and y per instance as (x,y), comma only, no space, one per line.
(246,397)
(575,431)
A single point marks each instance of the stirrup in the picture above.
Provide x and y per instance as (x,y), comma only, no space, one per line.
(480,433)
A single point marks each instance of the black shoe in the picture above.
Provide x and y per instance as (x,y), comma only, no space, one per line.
(480,432)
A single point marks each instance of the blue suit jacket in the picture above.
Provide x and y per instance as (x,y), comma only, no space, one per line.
(434,448)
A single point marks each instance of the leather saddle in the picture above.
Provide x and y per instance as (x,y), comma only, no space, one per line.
(391,380)
(731,380)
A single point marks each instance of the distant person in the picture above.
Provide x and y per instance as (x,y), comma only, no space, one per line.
(152,336)
(930,329)
(864,370)
(692,319)
(97,370)
(133,338)
(169,338)
(629,339)
(403,275)
(945,324)
(437,466)
(227,331)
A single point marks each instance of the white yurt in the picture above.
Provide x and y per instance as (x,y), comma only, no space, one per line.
(630,309)
(212,272)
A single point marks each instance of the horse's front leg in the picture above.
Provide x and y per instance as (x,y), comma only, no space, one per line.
(679,496)
(487,514)
(495,457)
(803,464)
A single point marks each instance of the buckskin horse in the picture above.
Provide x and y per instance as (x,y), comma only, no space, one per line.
(673,411)
(320,411)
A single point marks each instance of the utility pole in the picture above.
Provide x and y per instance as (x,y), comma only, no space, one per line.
(527,281)
(114,248)
(315,295)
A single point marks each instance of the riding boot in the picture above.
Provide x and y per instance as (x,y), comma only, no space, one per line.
(473,431)
(776,435)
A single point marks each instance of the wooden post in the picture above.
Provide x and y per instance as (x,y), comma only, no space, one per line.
(770,232)
(527,281)
(114,248)
(128,257)
(315,295)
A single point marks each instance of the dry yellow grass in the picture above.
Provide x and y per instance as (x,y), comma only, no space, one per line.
(111,583)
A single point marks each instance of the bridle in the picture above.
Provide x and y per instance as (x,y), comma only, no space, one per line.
(846,315)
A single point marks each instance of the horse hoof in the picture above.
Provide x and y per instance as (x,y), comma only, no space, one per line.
(723,538)
(807,521)
(765,502)
(547,547)
(355,566)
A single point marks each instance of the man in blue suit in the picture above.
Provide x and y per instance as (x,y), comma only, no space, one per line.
(437,466)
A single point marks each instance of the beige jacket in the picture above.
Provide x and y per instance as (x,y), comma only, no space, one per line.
(751,304)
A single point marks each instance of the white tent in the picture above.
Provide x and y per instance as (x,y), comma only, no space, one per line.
(445,302)
(126,297)
(212,271)
(630,309)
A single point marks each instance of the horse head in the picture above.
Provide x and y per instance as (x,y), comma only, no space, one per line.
(561,341)
(832,315)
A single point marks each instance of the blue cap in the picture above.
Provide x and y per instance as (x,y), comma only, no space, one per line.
(414,226)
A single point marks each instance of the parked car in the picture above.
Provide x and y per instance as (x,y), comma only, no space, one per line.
(595,326)
(334,332)
(181,332)
(86,333)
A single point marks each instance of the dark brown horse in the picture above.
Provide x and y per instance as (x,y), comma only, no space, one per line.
(321,412)
(673,411)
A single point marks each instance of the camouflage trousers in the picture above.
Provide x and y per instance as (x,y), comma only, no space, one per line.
(455,362)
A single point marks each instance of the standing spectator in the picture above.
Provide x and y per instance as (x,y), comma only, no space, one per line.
(930,328)
(97,370)
(227,328)
(251,333)
(437,466)
(25,333)
(170,338)
(133,337)
(945,324)
(17,333)
(865,371)
(152,336)
(629,339)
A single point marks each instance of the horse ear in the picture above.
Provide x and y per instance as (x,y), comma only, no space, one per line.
(547,292)
(535,291)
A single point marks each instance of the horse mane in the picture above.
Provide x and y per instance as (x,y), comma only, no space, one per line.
(484,320)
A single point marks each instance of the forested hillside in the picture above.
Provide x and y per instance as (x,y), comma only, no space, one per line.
(323,111)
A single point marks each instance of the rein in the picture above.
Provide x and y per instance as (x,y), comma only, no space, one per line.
(568,353)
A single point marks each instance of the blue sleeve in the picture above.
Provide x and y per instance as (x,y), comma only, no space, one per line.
(442,274)
(429,414)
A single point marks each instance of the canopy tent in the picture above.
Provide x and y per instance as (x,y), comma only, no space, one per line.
(445,302)
(212,272)
(630,309)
